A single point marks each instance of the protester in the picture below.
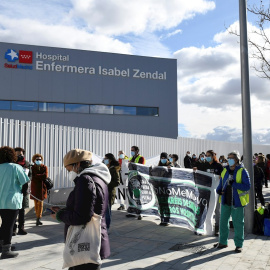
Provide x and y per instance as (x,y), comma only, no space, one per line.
(90,195)
(258,182)
(114,169)
(135,156)
(267,170)
(214,167)
(164,161)
(223,161)
(20,152)
(187,160)
(173,159)
(233,184)
(38,187)
(200,163)
(193,160)
(12,179)
(260,162)
(122,156)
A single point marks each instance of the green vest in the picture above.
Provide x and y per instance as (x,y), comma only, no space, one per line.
(136,159)
(243,195)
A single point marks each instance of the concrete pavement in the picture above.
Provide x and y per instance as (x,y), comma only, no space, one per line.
(140,244)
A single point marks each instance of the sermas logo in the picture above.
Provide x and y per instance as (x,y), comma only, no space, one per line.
(11,55)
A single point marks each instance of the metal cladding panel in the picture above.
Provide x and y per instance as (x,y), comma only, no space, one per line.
(100,78)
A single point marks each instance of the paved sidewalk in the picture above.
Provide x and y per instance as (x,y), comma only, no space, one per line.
(140,244)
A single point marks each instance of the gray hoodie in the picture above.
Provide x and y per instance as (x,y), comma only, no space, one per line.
(100,170)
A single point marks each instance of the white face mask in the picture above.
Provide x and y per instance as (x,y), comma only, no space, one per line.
(72,175)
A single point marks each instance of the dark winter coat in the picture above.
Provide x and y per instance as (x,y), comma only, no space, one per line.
(38,188)
(115,182)
(187,162)
(89,196)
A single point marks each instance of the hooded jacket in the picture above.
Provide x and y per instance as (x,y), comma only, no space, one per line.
(89,196)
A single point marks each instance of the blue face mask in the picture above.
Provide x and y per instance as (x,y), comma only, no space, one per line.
(170,159)
(106,161)
(202,158)
(231,162)
(38,162)
(132,153)
(208,159)
(194,157)
(163,161)
(122,156)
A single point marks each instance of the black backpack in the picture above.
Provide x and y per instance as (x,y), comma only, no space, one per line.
(49,183)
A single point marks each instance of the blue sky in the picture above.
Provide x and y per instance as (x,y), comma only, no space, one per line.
(194,32)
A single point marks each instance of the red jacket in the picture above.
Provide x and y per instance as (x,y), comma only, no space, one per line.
(38,188)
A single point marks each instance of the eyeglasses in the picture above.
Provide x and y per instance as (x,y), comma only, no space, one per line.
(38,159)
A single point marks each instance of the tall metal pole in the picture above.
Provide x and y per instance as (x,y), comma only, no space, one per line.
(246,112)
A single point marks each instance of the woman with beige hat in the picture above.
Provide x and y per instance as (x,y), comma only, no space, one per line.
(89,196)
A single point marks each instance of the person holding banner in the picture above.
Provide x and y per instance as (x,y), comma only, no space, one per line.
(173,159)
(136,158)
(214,167)
(164,160)
(233,190)
(200,163)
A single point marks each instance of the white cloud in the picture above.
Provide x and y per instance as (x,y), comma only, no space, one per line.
(168,35)
(136,16)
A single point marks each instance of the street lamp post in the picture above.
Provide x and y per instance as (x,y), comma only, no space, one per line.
(246,112)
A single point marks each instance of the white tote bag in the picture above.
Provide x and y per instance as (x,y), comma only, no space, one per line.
(83,243)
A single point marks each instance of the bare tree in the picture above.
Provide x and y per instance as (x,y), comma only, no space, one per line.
(259,39)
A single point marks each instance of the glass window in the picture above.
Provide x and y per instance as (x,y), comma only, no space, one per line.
(147,111)
(124,110)
(24,106)
(101,109)
(51,107)
(4,105)
(77,108)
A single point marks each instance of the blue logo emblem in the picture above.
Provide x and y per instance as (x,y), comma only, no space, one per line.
(11,55)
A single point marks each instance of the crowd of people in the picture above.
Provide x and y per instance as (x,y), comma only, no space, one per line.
(95,191)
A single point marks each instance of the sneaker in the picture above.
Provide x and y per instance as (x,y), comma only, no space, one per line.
(139,217)
(218,245)
(163,224)
(122,207)
(238,249)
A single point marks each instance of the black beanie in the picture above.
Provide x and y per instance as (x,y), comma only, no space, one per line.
(164,154)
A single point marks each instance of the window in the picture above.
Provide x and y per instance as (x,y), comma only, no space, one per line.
(101,109)
(24,106)
(51,107)
(77,108)
(147,111)
(4,105)
(124,110)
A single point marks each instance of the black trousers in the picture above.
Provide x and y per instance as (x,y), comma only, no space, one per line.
(8,217)
(88,266)
(21,219)
(259,195)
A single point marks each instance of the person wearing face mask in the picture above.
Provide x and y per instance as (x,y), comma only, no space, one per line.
(20,152)
(114,168)
(200,163)
(223,161)
(135,156)
(214,167)
(187,161)
(122,156)
(194,159)
(38,187)
(173,159)
(233,190)
(90,195)
(164,160)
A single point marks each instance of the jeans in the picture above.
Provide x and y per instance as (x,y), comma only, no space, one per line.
(8,217)
(108,216)
(238,224)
